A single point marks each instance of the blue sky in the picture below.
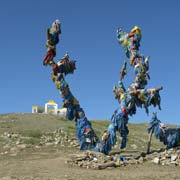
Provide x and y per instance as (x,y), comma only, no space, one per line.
(89,36)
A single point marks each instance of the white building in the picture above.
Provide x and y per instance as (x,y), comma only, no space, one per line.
(51,107)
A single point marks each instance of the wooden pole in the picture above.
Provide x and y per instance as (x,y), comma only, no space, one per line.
(149,142)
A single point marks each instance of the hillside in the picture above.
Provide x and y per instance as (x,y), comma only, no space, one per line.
(37,146)
(36,125)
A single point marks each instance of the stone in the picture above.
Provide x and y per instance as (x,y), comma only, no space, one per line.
(18,142)
(156,160)
(15,135)
(141,160)
(9,135)
(57,141)
(173,157)
(163,158)
(49,144)
(133,146)
(21,146)
(95,159)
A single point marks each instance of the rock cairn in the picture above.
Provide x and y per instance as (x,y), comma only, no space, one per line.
(96,160)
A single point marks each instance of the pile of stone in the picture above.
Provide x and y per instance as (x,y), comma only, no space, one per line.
(12,143)
(169,157)
(11,138)
(96,160)
(58,137)
(8,135)
(15,142)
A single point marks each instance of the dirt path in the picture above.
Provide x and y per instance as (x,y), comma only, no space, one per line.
(56,168)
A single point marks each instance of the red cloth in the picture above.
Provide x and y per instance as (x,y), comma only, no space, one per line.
(55,68)
(124,112)
(49,56)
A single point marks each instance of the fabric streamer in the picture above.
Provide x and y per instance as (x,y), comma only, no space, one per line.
(133,97)
(168,136)
(60,69)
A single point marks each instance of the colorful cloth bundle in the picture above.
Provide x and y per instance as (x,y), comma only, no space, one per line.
(169,136)
(136,95)
(60,69)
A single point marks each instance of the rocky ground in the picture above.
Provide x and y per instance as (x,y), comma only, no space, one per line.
(44,147)
(54,165)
